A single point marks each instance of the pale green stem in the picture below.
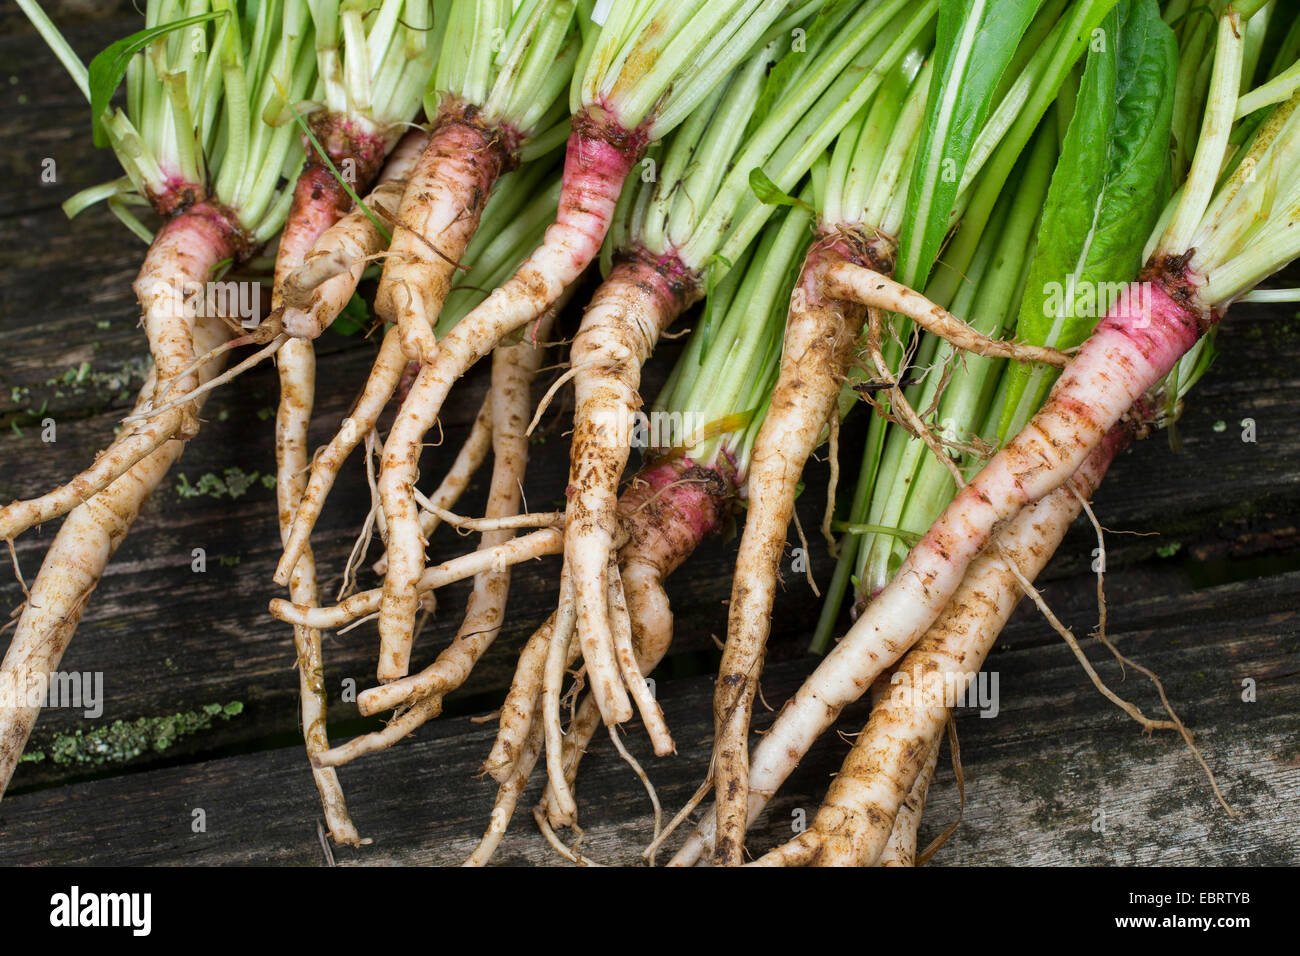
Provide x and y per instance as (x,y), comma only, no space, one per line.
(1225,81)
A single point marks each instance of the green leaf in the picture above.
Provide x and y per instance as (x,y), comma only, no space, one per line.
(975,42)
(1108,189)
(769,193)
(109,66)
(354,318)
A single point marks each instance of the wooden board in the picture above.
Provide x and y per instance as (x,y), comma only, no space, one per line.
(1217,611)
(1058,776)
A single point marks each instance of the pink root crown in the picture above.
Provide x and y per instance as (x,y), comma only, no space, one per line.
(176,196)
(211,225)
(506,137)
(345,139)
(700,495)
(1159,320)
(860,245)
(675,285)
(671,506)
(602,148)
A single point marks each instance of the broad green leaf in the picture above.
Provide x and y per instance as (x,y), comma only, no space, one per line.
(109,66)
(975,42)
(1108,189)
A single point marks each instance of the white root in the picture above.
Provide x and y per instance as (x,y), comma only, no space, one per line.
(418,714)
(845,280)
(214,383)
(385,373)
(181,258)
(508,795)
(564,808)
(489,524)
(316,291)
(315,208)
(513,370)
(535,545)
(820,339)
(448,187)
(955,645)
(589,195)
(467,462)
(520,706)
(297,369)
(652,628)
(900,849)
(619,331)
(652,714)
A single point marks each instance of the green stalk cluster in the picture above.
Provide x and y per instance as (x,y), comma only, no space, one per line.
(660,209)
(375,58)
(1228,214)
(725,376)
(915,486)
(852,68)
(773,119)
(811,96)
(1238,225)
(1195,25)
(514,61)
(979,121)
(651,63)
(209,87)
(174,95)
(269,64)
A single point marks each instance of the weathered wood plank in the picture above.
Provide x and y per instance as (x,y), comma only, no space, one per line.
(1036,774)
(45,115)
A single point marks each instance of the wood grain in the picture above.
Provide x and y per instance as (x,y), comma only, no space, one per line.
(1039,776)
